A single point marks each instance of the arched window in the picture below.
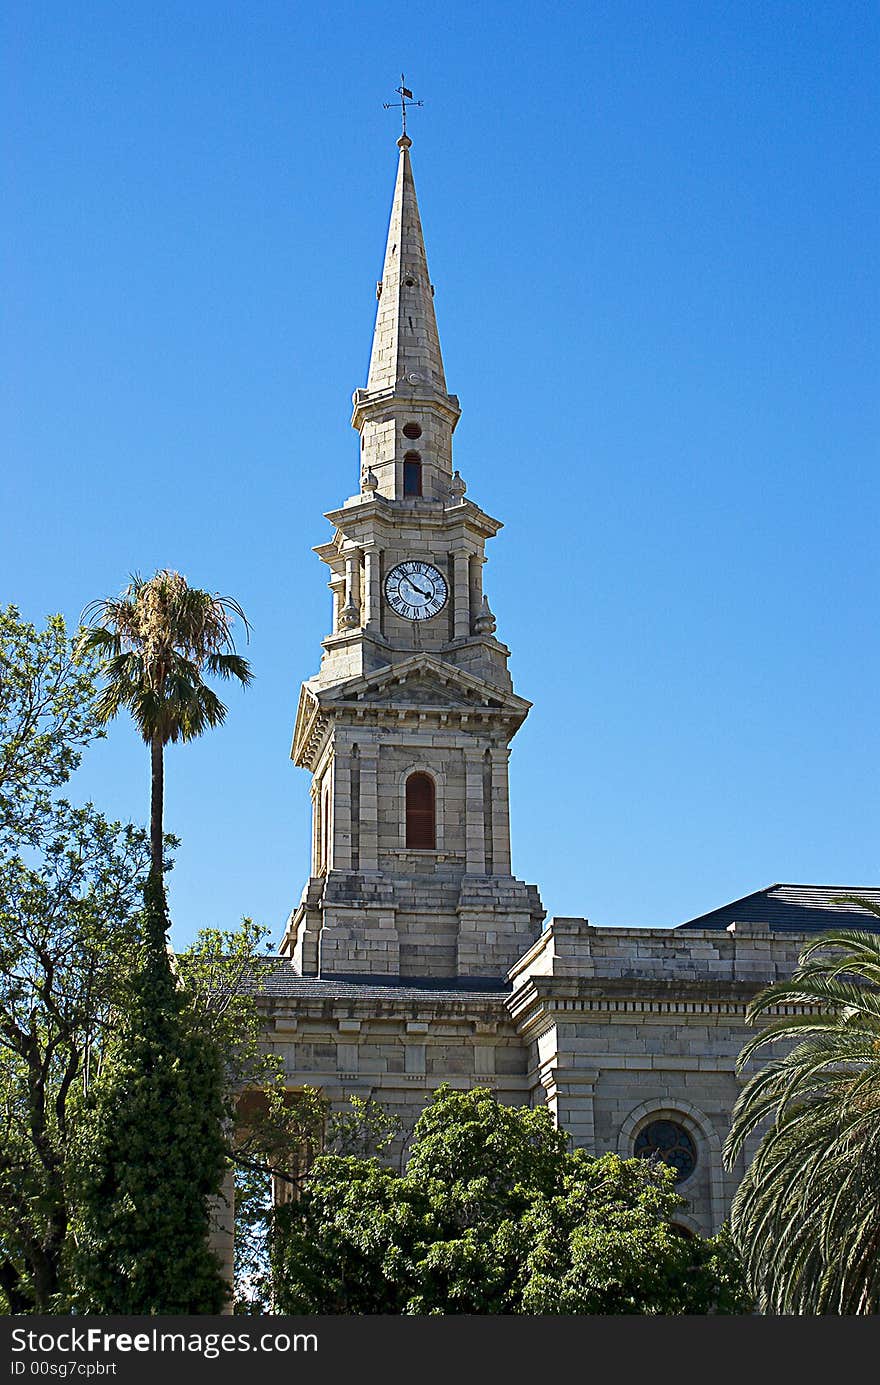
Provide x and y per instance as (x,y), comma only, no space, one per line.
(421,820)
(667,1140)
(412,474)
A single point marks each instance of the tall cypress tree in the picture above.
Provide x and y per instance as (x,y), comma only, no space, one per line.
(155,1151)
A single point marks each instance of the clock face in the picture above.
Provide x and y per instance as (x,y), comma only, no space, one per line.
(416,590)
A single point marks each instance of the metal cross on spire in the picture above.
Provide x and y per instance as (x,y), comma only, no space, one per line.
(405,95)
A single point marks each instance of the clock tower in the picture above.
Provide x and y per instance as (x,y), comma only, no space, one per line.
(407,725)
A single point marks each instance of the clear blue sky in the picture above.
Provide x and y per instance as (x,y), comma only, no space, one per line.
(653,229)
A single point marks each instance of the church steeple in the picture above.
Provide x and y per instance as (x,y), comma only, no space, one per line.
(406,727)
(405,415)
(405,339)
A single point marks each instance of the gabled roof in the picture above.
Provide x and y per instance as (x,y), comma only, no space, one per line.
(797,909)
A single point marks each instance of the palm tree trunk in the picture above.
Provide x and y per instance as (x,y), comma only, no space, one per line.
(157,797)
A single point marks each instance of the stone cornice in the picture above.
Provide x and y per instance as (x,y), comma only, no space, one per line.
(285,1014)
(385,518)
(544,1001)
(402,395)
(376,1081)
(344,639)
(544,998)
(449,720)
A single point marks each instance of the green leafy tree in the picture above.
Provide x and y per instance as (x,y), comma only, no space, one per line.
(222,1075)
(604,1244)
(67,929)
(270,1132)
(273,1134)
(806,1216)
(155,642)
(281,1144)
(276,1134)
(159,1147)
(494,1215)
(153,1149)
(46,718)
(69,890)
(73,948)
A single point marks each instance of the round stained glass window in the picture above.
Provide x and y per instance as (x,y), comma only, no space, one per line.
(670,1142)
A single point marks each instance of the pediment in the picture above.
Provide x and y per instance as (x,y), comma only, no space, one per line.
(418,691)
(423,681)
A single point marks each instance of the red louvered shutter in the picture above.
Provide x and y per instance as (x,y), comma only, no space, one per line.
(420,812)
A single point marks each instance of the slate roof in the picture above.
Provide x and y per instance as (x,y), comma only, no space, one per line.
(797,909)
(283,980)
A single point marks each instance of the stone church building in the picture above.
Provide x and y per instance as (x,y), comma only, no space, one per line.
(415,955)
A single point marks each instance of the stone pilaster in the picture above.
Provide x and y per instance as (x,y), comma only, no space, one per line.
(368,813)
(500,825)
(569,1093)
(342,807)
(461,594)
(314,792)
(372,594)
(350,614)
(475,848)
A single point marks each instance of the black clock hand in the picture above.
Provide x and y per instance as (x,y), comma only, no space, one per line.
(420,590)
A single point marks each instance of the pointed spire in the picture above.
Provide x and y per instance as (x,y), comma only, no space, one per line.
(405,339)
(405,416)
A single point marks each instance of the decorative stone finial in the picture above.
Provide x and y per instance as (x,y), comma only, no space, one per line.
(404,142)
(369,480)
(485,621)
(457,487)
(349,616)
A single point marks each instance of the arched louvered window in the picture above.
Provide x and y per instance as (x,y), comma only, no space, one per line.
(421,822)
(412,474)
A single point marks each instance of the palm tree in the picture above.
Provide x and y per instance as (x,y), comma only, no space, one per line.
(155,641)
(806,1217)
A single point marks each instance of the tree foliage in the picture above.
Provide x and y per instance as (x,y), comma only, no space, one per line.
(220,975)
(154,643)
(67,922)
(73,953)
(494,1215)
(46,717)
(152,1148)
(69,891)
(806,1216)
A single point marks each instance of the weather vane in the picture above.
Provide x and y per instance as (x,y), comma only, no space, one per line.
(405,95)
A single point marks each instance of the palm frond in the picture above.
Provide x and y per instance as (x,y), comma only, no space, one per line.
(806,1216)
(155,642)
(229,666)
